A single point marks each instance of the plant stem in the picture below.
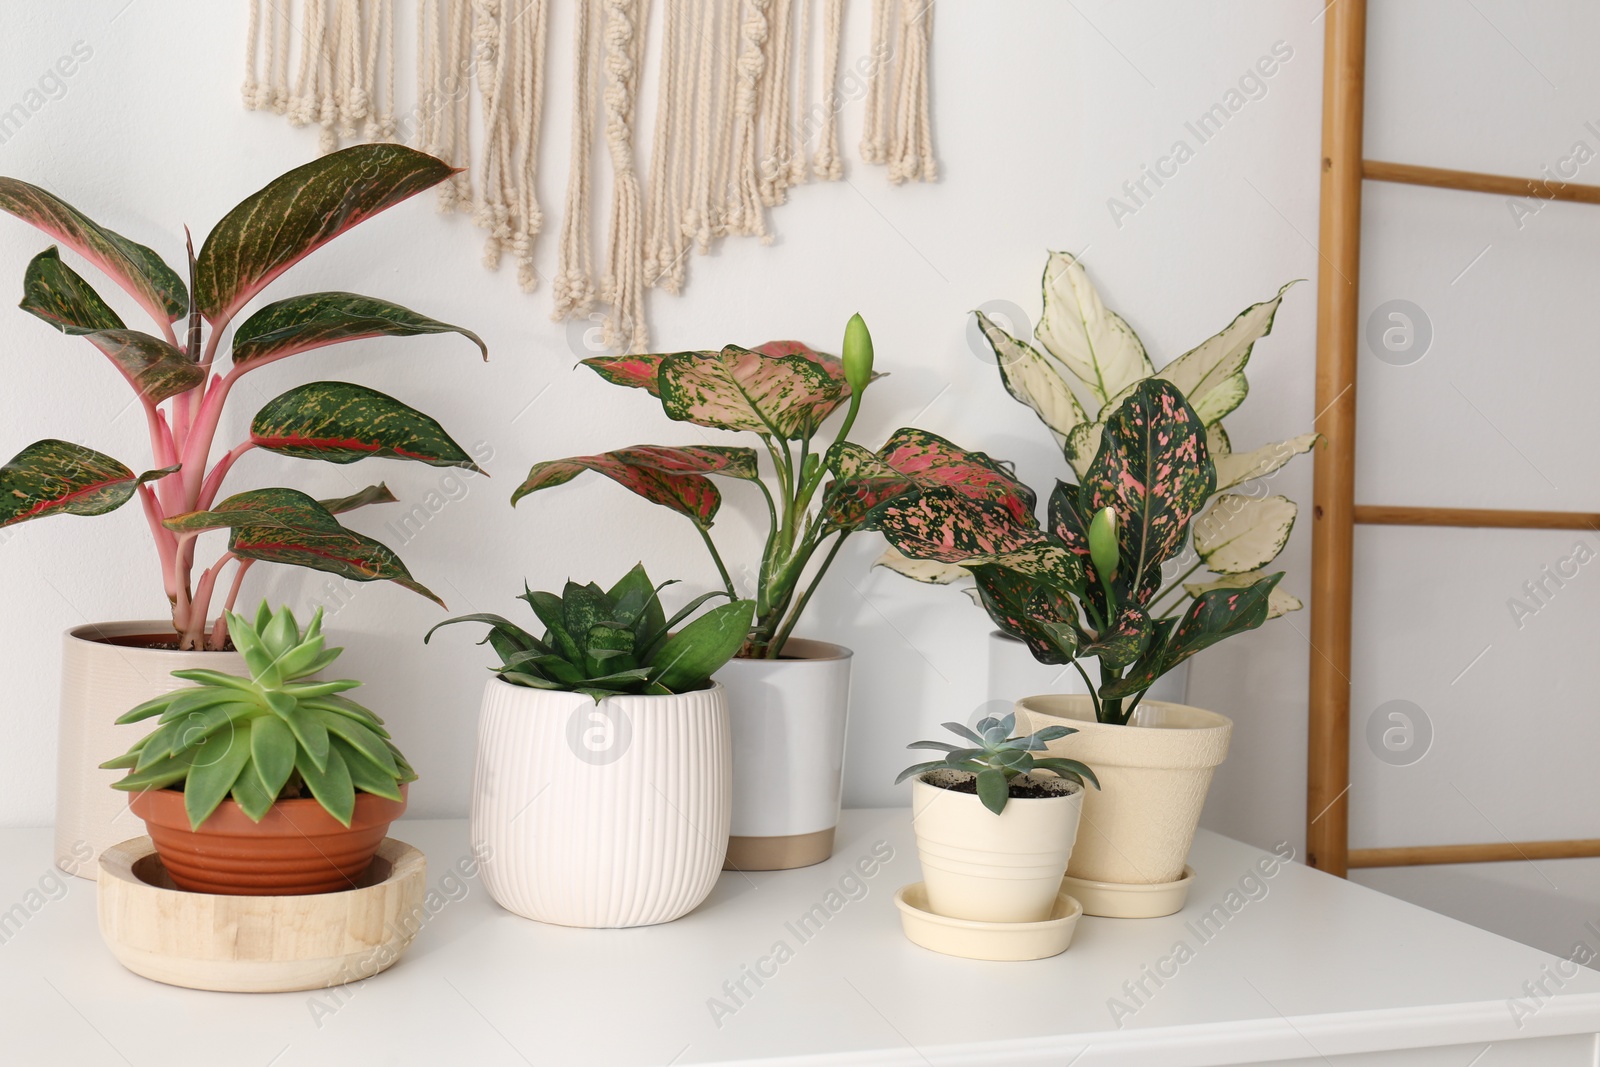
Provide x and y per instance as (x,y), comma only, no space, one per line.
(716,557)
(787,628)
(1094,698)
(213,482)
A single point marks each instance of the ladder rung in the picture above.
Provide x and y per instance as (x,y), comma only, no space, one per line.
(1401,515)
(1499,852)
(1473,182)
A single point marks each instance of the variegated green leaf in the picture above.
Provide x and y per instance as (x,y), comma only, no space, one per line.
(56,293)
(154,368)
(738,389)
(1034,380)
(928,571)
(1241,533)
(1033,612)
(1123,642)
(53,477)
(299,212)
(341,423)
(302,323)
(1278,602)
(1211,375)
(1153,468)
(672,477)
(911,460)
(137,269)
(1212,616)
(372,494)
(946,525)
(1090,340)
(1235,470)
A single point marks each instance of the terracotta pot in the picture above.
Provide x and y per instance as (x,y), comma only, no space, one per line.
(992,868)
(107,669)
(1154,774)
(296,848)
(787,718)
(601,815)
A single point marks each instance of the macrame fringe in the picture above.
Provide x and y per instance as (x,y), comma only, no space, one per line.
(737,123)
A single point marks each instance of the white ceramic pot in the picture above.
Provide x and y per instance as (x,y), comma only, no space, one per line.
(1154,774)
(1002,868)
(601,815)
(788,719)
(1014,674)
(105,671)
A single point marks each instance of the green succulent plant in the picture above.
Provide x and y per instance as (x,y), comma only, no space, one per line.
(612,642)
(272,736)
(998,759)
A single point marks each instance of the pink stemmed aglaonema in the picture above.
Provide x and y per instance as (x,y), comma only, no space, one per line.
(183,390)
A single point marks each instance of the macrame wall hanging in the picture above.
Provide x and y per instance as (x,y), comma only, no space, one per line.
(736,120)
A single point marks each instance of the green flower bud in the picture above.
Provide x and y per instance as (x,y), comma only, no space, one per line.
(1103,542)
(857,353)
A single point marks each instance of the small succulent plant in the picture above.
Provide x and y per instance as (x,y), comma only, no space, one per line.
(613,642)
(998,758)
(270,737)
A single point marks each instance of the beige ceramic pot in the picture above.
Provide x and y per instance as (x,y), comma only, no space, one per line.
(992,868)
(1154,774)
(107,669)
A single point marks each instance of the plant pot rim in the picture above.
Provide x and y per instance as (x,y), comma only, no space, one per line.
(115,634)
(292,816)
(803,650)
(1070,788)
(1198,719)
(496,680)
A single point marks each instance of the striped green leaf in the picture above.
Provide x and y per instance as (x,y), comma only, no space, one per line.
(302,323)
(56,293)
(340,422)
(53,477)
(672,477)
(155,369)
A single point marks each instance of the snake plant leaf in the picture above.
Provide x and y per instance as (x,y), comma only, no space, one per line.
(1211,375)
(1123,642)
(1241,533)
(635,596)
(52,477)
(1033,613)
(672,477)
(1234,470)
(56,293)
(1090,340)
(1278,603)
(212,774)
(786,396)
(927,571)
(287,526)
(1212,616)
(330,784)
(1153,469)
(155,369)
(137,269)
(314,320)
(582,608)
(1035,380)
(372,494)
(698,650)
(340,422)
(299,212)
(635,372)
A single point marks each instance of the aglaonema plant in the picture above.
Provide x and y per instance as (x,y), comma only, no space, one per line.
(1091,584)
(183,389)
(783,392)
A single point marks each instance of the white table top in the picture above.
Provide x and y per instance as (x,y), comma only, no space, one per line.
(1315,967)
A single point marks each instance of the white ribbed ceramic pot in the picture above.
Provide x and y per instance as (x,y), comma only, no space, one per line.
(601,815)
(788,717)
(1014,674)
(1154,775)
(105,672)
(1002,868)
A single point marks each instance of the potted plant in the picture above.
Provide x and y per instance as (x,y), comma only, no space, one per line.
(181,385)
(788,696)
(1087,361)
(993,834)
(601,797)
(268,785)
(1091,587)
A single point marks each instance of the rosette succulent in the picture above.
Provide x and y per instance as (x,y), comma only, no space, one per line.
(275,735)
(996,759)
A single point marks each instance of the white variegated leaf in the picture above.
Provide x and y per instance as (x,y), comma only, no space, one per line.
(1092,341)
(1082,445)
(930,571)
(1240,533)
(1278,602)
(1217,442)
(1034,380)
(1216,365)
(1234,470)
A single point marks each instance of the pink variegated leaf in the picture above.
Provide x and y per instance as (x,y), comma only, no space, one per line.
(861,483)
(1037,614)
(930,460)
(635,372)
(945,525)
(1122,642)
(675,478)
(736,389)
(1213,616)
(1154,469)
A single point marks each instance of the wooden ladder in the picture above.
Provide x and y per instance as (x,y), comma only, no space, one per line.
(1335,512)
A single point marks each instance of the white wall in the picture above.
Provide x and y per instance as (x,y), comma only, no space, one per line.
(1044,110)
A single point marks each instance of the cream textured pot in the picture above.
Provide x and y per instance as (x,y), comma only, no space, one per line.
(105,671)
(1154,774)
(1014,674)
(788,717)
(1002,868)
(609,814)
